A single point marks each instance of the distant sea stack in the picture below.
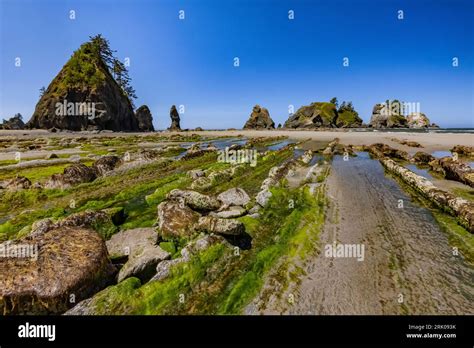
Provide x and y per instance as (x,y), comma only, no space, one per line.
(418,120)
(391,115)
(325,115)
(91,92)
(15,122)
(174,115)
(144,119)
(259,119)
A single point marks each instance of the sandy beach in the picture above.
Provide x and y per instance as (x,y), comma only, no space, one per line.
(430,141)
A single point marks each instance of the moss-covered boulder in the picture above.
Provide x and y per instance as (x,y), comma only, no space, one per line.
(64,266)
(73,175)
(176,220)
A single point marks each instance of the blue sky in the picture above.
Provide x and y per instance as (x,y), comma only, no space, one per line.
(282,62)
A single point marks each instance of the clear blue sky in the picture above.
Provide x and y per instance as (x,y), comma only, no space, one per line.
(282,61)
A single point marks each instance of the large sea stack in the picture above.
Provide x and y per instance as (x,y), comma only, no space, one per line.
(144,119)
(174,115)
(324,115)
(259,119)
(85,95)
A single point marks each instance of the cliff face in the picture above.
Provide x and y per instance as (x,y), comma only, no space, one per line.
(84,96)
(259,119)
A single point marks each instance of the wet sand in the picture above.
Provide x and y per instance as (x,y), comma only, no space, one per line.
(405,253)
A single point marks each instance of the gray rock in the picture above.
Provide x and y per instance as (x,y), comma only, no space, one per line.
(142,262)
(125,243)
(211,224)
(195,200)
(232,212)
(234,196)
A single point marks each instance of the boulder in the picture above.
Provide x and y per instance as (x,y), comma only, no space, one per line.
(51,156)
(106,164)
(418,120)
(74,174)
(259,119)
(175,120)
(230,213)
(234,196)
(176,220)
(422,157)
(17,183)
(195,200)
(144,119)
(69,263)
(463,150)
(210,224)
(125,243)
(263,197)
(196,173)
(193,248)
(142,263)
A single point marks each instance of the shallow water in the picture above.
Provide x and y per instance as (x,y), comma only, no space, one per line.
(279,145)
(406,252)
(420,171)
(439,154)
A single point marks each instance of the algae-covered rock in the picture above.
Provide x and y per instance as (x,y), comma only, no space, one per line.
(195,200)
(73,175)
(176,220)
(106,164)
(212,224)
(70,263)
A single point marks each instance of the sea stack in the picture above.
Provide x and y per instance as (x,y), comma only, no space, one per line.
(259,119)
(15,122)
(85,95)
(174,115)
(388,115)
(144,119)
(418,120)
